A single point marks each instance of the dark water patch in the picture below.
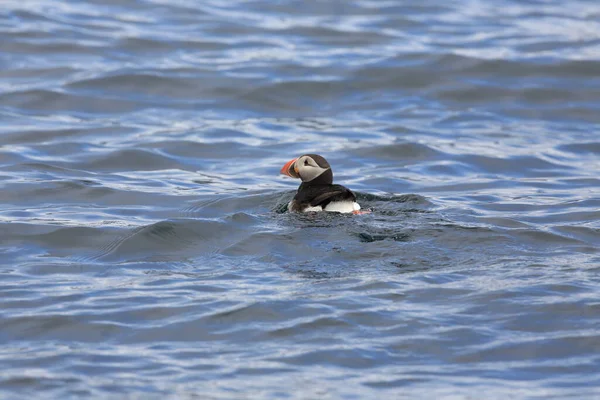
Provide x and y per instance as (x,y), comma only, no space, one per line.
(37,136)
(411,152)
(25,76)
(71,242)
(544,238)
(527,166)
(39,47)
(267,246)
(224,205)
(141,85)
(198,151)
(282,203)
(582,148)
(559,69)
(584,233)
(53,101)
(60,327)
(165,238)
(157,45)
(507,96)
(295,98)
(59,136)
(503,222)
(54,192)
(368,238)
(128,159)
(45,171)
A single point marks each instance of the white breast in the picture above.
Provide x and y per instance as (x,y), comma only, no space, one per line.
(342,206)
(336,206)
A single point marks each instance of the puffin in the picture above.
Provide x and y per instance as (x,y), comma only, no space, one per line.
(317,191)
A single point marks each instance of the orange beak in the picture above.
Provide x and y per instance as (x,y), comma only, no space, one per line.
(288,170)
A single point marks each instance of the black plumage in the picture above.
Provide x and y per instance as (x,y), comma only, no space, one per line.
(312,194)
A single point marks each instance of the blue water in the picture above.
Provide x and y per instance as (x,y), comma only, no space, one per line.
(145,247)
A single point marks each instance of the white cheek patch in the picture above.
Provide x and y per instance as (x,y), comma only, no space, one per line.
(308,173)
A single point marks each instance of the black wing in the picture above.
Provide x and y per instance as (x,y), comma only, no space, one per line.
(322,195)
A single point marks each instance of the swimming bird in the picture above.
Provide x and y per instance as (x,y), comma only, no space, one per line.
(317,191)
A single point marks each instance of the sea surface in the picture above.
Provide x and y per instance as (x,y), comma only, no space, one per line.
(145,247)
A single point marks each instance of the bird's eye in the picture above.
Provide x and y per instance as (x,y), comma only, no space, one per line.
(305,162)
